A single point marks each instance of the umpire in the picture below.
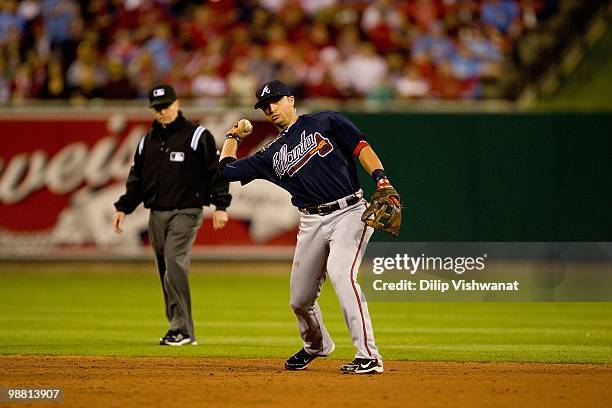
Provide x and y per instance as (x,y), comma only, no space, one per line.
(174,174)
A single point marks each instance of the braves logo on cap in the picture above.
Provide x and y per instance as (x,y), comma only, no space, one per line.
(265,91)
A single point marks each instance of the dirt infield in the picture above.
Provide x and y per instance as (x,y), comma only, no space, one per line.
(216,382)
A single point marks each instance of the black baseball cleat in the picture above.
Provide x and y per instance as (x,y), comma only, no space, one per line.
(174,338)
(362,366)
(299,360)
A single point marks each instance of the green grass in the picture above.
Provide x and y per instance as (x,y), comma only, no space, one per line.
(117,310)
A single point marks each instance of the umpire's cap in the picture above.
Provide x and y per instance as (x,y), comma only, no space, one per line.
(161,94)
(271,90)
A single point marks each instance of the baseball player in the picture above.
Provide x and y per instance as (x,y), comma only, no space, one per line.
(313,158)
(174,173)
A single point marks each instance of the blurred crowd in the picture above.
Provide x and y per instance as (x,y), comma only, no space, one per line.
(118,49)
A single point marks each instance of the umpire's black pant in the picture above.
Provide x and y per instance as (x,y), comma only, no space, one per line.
(172,234)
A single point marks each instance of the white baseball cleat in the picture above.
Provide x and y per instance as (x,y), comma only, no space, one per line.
(173,338)
(362,366)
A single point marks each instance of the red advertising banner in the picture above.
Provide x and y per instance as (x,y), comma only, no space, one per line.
(61,173)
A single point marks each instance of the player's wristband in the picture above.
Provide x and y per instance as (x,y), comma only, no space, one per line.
(378,174)
(233,136)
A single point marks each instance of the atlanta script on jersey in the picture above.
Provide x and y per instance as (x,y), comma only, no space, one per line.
(313,159)
(290,162)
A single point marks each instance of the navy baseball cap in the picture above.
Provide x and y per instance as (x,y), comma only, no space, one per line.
(271,90)
(161,94)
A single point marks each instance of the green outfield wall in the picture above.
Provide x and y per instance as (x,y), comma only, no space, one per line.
(497,177)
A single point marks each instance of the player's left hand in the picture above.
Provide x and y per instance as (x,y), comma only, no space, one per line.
(385,211)
(384,184)
(118,218)
(220,218)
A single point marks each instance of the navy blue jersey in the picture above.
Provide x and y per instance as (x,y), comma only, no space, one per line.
(314,159)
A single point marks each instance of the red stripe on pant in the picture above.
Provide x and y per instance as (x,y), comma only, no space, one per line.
(365,335)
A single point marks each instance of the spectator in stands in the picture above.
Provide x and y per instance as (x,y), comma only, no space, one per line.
(343,15)
(459,13)
(435,43)
(529,13)
(239,43)
(58,17)
(307,42)
(85,76)
(241,82)
(123,48)
(273,6)
(383,91)
(501,14)
(9,20)
(142,73)
(463,64)
(278,48)
(426,66)
(118,85)
(293,71)
(381,12)
(161,47)
(294,23)
(98,14)
(179,78)
(37,67)
(312,7)
(412,84)
(395,65)
(319,35)
(10,52)
(208,84)
(54,85)
(365,70)
(382,22)
(479,46)
(38,40)
(5,86)
(21,87)
(320,83)
(202,27)
(445,85)
(29,9)
(258,26)
(424,13)
(261,67)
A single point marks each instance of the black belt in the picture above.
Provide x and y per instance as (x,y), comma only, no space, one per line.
(325,209)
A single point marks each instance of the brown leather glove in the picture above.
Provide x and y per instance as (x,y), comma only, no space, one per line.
(385,211)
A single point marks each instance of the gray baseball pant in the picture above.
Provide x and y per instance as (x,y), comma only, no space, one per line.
(332,244)
(172,234)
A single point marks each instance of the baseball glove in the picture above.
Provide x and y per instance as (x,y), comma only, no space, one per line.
(385,211)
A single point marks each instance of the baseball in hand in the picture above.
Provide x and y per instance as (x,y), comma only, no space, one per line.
(245,127)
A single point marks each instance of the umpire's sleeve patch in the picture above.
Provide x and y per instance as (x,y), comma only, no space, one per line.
(141,145)
(196,137)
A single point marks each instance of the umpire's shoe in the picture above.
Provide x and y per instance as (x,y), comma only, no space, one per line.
(362,366)
(299,360)
(174,338)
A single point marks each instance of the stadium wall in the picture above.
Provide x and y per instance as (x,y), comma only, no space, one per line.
(498,176)
(462,176)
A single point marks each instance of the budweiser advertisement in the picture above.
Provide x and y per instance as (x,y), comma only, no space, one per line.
(60,174)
